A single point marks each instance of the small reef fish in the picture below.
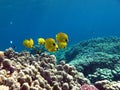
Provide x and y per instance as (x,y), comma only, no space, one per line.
(12,45)
(62,37)
(51,45)
(28,43)
(11,42)
(62,45)
(41,41)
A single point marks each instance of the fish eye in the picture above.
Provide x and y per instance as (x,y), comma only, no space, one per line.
(57,49)
(54,44)
(66,40)
(64,47)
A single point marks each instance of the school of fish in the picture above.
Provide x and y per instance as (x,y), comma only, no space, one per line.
(50,44)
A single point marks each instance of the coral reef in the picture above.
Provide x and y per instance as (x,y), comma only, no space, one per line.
(1,54)
(25,71)
(91,65)
(97,58)
(88,87)
(107,85)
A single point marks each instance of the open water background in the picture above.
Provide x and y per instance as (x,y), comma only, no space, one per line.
(80,19)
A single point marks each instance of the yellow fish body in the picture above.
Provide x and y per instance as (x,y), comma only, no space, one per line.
(28,43)
(62,37)
(51,45)
(41,41)
(25,42)
(31,43)
(62,45)
(53,49)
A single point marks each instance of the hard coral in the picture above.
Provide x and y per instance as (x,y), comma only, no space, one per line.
(1,54)
(3,87)
(88,87)
(107,85)
(37,72)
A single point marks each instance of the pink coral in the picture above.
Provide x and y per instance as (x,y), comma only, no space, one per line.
(88,87)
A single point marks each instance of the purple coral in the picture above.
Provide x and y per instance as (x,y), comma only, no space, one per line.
(88,87)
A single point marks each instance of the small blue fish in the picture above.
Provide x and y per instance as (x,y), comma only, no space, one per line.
(11,44)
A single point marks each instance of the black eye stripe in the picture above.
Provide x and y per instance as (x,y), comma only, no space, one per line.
(54,44)
(66,40)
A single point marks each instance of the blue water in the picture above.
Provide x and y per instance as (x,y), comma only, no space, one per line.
(80,19)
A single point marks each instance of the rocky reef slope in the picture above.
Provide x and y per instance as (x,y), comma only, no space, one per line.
(97,58)
(24,71)
(91,65)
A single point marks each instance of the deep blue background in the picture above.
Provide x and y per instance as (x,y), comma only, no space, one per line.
(80,19)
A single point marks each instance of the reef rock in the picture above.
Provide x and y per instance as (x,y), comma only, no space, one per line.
(107,85)
(1,54)
(25,71)
(98,58)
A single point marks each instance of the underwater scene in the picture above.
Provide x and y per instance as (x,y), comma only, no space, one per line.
(60,45)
